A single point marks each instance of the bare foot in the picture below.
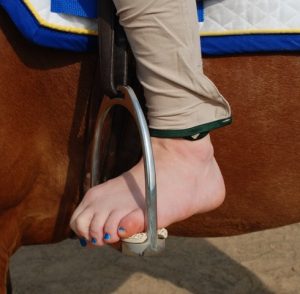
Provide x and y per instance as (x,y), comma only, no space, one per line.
(189,181)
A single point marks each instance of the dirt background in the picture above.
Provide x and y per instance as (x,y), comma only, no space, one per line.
(264,262)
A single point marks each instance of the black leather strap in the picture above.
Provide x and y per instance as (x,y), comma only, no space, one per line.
(113,50)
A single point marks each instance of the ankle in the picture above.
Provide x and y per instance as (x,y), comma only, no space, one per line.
(201,149)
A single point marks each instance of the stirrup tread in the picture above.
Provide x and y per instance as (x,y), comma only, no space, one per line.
(142,237)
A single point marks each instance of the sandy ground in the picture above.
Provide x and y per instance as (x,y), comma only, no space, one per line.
(264,262)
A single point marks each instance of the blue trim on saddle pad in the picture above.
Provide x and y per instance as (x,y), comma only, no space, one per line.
(42,36)
(239,44)
(200,10)
(83,8)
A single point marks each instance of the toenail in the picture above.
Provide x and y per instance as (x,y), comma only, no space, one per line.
(94,240)
(83,242)
(106,236)
(121,230)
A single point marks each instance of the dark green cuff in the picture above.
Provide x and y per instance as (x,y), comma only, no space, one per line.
(202,130)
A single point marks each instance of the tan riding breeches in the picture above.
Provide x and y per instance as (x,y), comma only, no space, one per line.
(164,38)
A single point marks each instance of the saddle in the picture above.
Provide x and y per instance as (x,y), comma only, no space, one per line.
(112,103)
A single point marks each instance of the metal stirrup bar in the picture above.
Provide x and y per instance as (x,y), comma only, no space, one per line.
(152,245)
(114,64)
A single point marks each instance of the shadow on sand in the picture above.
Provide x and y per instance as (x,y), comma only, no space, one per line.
(187,266)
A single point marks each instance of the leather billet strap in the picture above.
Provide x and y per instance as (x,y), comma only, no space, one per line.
(113,50)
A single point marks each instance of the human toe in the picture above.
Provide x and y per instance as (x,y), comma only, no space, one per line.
(81,224)
(96,229)
(131,224)
(110,230)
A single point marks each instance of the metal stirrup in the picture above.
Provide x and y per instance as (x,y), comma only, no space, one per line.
(154,242)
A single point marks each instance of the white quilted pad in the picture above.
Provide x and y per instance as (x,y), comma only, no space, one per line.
(231,17)
(58,21)
(221,17)
(229,27)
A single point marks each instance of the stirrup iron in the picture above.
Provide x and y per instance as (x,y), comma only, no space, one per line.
(152,242)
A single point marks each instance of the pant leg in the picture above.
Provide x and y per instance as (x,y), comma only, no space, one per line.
(164,37)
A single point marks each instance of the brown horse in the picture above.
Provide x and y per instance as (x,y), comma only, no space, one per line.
(44,98)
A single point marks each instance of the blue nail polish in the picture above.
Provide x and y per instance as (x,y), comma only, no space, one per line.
(83,242)
(94,240)
(106,236)
(121,230)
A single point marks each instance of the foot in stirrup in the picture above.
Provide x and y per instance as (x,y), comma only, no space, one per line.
(189,181)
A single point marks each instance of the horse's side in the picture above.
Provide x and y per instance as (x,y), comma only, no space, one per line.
(43,105)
